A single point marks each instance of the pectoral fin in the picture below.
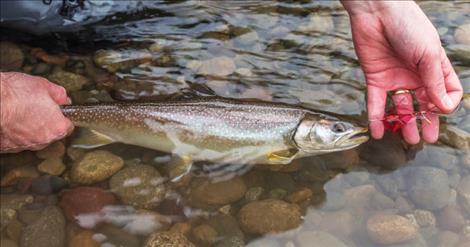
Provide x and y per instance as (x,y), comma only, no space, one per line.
(282,156)
(178,166)
(88,138)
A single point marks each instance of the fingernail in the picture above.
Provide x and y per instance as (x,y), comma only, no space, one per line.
(69,101)
(447,101)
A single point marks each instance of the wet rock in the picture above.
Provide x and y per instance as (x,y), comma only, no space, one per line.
(254,193)
(95,166)
(428,187)
(261,217)
(75,153)
(11,56)
(125,59)
(205,193)
(342,223)
(84,200)
(14,229)
(265,242)
(41,69)
(23,172)
(244,72)
(84,239)
(167,239)
(277,193)
(454,137)
(463,193)
(334,201)
(318,23)
(140,186)
(450,218)
(424,218)
(462,34)
(218,66)
(357,178)
(54,150)
(226,226)
(204,234)
(403,205)
(54,59)
(8,243)
(118,237)
(318,239)
(30,214)
(390,229)
(181,227)
(358,198)
(231,242)
(47,231)
(379,201)
(447,239)
(9,204)
(46,185)
(300,196)
(70,81)
(52,166)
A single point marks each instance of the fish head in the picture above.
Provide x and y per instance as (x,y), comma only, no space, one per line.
(323,134)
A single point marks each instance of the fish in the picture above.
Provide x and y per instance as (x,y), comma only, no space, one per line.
(214,129)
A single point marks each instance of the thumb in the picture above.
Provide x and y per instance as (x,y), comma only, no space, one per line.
(58,93)
(432,75)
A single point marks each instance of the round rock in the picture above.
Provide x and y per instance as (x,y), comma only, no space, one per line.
(260,217)
(318,239)
(85,200)
(207,193)
(47,231)
(70,81)
(95,166)
(167,239)
(390,229)
(462,34)
(429,187)
(140,186)
(11,56)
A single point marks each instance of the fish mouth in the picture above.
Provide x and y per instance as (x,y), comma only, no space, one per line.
(358,136)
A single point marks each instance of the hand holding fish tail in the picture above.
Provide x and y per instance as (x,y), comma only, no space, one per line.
(30,117)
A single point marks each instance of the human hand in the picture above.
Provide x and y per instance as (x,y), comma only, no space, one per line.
(30,117)
(399,48)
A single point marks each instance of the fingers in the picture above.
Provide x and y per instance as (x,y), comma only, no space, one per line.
(376,99)
(437,74)
(57,93)
(404,105)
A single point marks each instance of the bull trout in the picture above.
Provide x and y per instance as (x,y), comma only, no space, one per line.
(217,130)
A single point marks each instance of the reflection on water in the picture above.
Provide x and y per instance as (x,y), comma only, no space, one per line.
(299,52)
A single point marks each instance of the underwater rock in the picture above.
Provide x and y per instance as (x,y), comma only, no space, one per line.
(140,186)
(462,34)
(318,239)
(424,218)
(318,23)
(428,187)
(54,59)
(14,229)
(46,185)
(8,243)
(70,81)
(204,192)
(15,174)
(261,217)
(53,150)
(84,200)
(464,194)
(390,229)
(116,236)
(84,239)
(52,166)
(41,69)
(125,59)
(167,239)
(47,231)
(11,57)
(95,166)
(450,218)
(9,204)
(254,193)
(454,137)
(204,234)
(300,196)
(218,66)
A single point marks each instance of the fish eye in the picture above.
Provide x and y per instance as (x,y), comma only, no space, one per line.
(339,127)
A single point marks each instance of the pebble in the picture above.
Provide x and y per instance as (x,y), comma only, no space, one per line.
(113,60)
(450,218)
(254,193)
(342,223)
(300,196)
(75,153)
(226,226)
(8,243)
(231,242)
(462,34)
(204,193)
(11,56)
(59,59)
(454,136)
(318,239)
(218,66)
(15,174)
(424,218)
(116,236)
(9,204)
(54,150)
(140,186)
(41,69)
(70,81)
(14,229)
(428,187)
(390,229)
(53,166)
(261,217)
(244,72)
(204,234)
(446,239)
(95,166)
(46,185)
(84,200)
(84,239)
(318,23)
(47,231)
(167,239)
(463,194)
(181,227)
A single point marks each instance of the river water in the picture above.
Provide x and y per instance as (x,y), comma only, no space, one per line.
(298,52)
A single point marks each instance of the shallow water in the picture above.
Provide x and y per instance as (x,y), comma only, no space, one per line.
(297,52)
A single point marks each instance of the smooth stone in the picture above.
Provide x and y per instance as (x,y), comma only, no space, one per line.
(428,187)
(462,34)
(318,23)
(53,166)
(424,218)
(53,59)
(114,60)
(46,185)
(358,198)
(463,194)
(29,215)
(41,69)
(70,81)
(140,186)
(47,231)
(264,242)
(379,201)
(84,200)
(390,229)
(9,204)
(447,239)
(450,218)
(23,172)
(204,192)
(84,239)
(8,243)
(300,196)
(75,153)
(14,229)
(204,234)
(454,136)
(218,66)
(167,239)
(342,223)
(231,242)
(261,217)
(11,57)
(116,236)
(54,150)
(226,226)
(318,239)
(181,227)
(254,193)
(95,166)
